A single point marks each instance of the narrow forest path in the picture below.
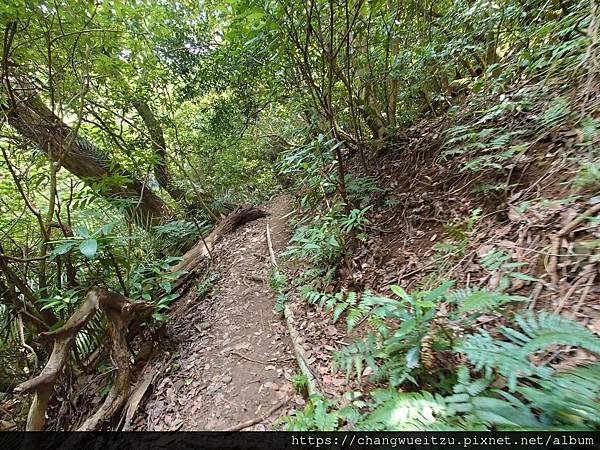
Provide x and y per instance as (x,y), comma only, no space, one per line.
(229,358)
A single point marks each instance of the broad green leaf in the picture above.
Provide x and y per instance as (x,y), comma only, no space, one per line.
(425,303)
(88,247)
(400,292)
(81,230)
(412,357)
(439,291)
(63,248)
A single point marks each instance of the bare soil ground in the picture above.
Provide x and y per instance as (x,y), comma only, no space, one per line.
(229,358)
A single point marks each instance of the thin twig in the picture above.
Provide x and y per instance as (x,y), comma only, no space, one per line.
(249,423)
(575,285)
(23,260)
(24,344)
(248,358)
(584,294)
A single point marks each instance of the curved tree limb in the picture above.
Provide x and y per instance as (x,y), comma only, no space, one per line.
(28,114)
(161,169)
(119,311)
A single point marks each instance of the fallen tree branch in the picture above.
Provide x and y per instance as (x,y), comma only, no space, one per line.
(194,257)
(249,423)
(294,335)
(270,246)
(311,381)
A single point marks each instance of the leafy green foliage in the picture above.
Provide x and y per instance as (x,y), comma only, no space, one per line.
(61,302)
(535,396)
(318,415)
(497,260)
(452,248)
(395,352)
(322,239)
(360,190)
(157,277)
(278,281)
(403,411)
(250,93)
(478,300)
(300,384)
(510,358)
(179,234)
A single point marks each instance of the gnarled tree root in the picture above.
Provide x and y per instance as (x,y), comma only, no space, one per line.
(119,311)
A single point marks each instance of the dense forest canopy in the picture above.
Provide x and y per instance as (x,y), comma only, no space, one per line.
(132,129)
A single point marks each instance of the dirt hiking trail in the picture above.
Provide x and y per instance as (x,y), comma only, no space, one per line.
(228,356)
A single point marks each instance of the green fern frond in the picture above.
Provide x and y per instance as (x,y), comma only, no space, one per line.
(351,359)
(414,410)
(546,329)
(473,299)
(510,359)
(329,304)
(355,315)
(338,311)
(324,420)
(351,298)
(571,398)
(504,357)
(311,296)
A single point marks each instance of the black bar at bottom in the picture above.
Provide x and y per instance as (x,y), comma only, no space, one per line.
(298,440)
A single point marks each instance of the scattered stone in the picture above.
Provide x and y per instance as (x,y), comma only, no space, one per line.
(202,326)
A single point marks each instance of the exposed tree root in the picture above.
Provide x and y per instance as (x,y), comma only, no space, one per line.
(294,335)
(119,311)
(136,396)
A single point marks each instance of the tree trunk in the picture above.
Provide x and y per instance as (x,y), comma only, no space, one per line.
(29,115)
(161,169)
(371,112)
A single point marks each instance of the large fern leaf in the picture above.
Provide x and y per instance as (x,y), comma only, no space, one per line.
(510,359)
(415,410)
(546,329)
(504,357)
(469,299)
